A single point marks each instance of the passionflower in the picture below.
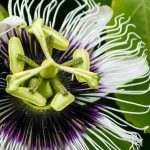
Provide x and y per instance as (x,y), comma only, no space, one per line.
(56,76)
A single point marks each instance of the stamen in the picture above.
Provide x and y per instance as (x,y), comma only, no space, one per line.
(24,94)
(60,86)
(86,61)
(27,60)
(42,86)
(15,48)
(60,101)
(14,81)
(59,41)
(73,62)
(36,29)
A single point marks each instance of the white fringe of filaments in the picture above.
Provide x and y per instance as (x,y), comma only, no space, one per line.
(110,124)
(23,9)
(119,67)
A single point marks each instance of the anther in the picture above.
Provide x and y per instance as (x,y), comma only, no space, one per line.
(15,48)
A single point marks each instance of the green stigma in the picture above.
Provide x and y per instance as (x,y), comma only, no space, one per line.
(39,86)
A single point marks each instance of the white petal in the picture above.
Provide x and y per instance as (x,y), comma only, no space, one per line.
(120,133)
(10,23)
(117,73)
(104,15)
(14,21)
(119,66)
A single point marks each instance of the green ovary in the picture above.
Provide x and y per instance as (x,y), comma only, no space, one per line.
(44,88)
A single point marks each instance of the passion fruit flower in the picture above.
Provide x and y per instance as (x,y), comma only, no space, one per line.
(55,82)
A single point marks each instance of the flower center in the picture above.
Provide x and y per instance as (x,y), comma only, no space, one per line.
(39,86)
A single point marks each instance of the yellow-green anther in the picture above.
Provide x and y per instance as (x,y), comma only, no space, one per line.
(49,72)
(54,86)
(24,84)
(25,94)
(85,65)
(43,88)
(59,42)
(36,29)
(15,48)
(27,60)
(61,101)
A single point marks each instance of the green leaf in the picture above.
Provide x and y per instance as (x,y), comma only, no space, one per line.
(3,13)
(139,11)
(104,2)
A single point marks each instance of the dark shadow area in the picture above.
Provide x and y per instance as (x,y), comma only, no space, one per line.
(4,3)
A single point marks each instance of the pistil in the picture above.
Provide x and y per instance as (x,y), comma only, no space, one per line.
(38,93)
(14,81)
